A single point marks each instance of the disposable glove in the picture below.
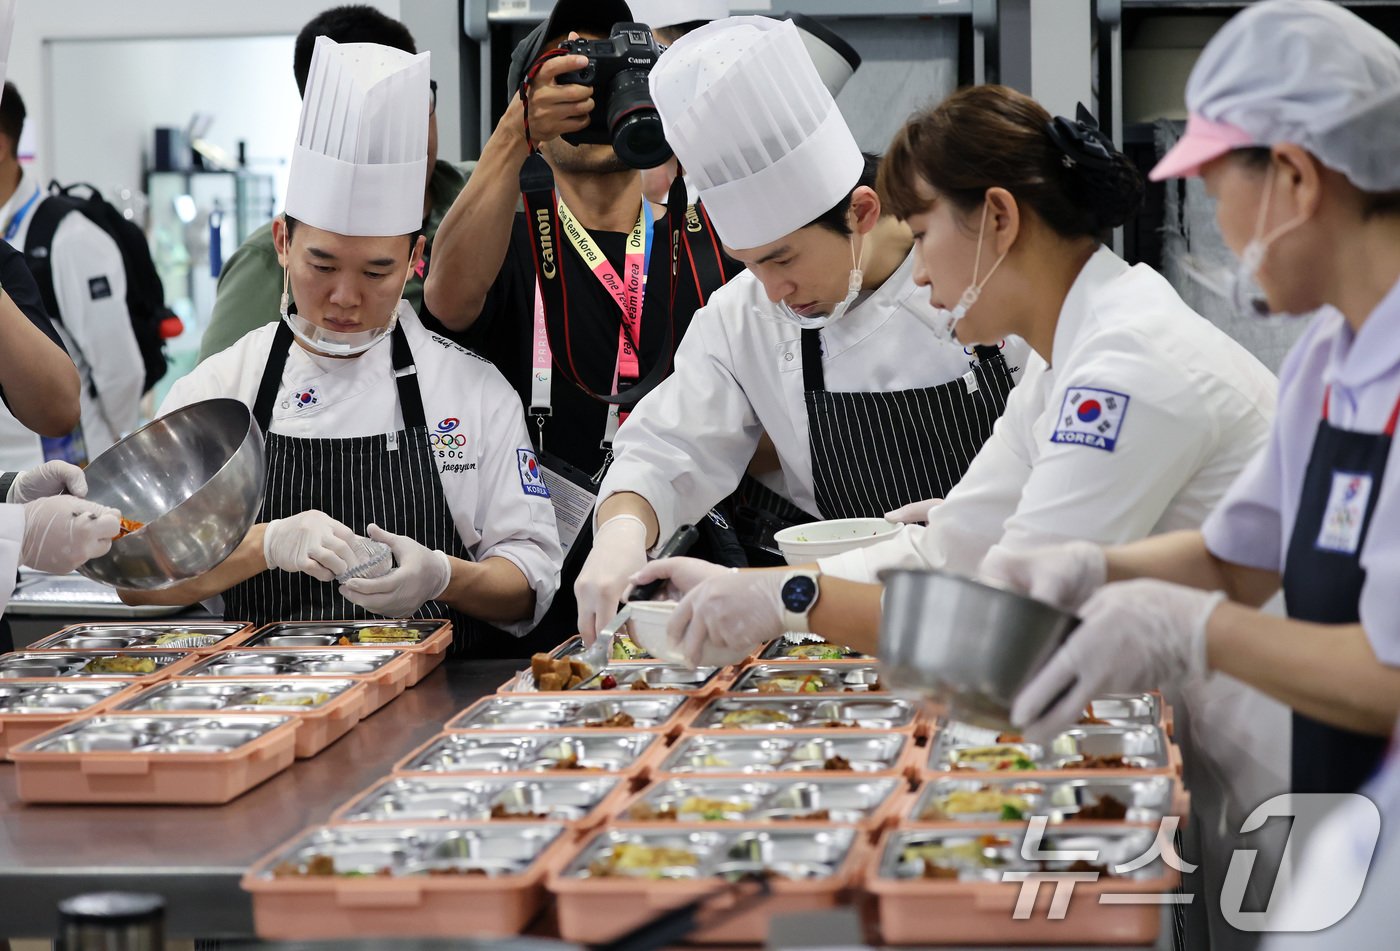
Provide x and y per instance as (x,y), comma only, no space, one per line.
(311,542)
(619,551)
(682,575)
(420,575)
(1134,635)
(62,532)
(1062,575)
(54,477)
(915,513)
(725,616)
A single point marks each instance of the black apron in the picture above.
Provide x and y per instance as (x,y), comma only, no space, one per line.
(874,452)
(1323,585)
(390,480)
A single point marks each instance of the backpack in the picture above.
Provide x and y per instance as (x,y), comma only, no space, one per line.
(145,295)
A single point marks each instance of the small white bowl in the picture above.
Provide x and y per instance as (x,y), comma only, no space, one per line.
(648,628)
(802,544)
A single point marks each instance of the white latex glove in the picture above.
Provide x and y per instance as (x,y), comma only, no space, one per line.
(54,477)
(682,575)
(1134,635)
(311,542)
(727,615)
(619,551)
(915,513)
(421,574)
(62,532)
(1063,575)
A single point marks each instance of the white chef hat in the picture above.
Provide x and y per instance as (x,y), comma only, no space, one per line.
(7,32)
(361,158)
(1307,72)
(758,133)
(659,13)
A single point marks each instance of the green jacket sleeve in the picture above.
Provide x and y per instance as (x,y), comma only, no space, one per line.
(248,293)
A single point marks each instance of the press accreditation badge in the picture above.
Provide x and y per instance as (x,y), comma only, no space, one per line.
(1091,417)
(1345,515)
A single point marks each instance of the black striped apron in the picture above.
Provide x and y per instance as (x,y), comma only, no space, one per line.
(389,479)
(873,452)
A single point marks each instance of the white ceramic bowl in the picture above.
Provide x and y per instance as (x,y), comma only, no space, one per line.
(803,544)
(648,628)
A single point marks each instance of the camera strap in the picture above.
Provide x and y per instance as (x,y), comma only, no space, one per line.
(548,218)
(694,229)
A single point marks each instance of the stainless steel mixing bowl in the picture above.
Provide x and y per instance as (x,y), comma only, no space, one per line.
(195,477)
(961,642)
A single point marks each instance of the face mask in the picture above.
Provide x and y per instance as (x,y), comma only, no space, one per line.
(944,321)
(333,343)
(818,321)
(1245,294)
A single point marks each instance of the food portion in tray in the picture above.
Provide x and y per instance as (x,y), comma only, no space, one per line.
(561,673)
(812,713)
(90,637)
(1144,798)
(531,752)
(382,851)
(751,800)
(984,855)
(731,854)
(803,679)
(853,752)
(784,650)
(959,748)
(38,665)
(298,634)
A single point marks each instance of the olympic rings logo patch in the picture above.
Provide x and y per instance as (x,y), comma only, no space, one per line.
(440,440)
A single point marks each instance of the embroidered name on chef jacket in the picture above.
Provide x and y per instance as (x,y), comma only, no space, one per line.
(1091,417)
(1345,516)
(531,475)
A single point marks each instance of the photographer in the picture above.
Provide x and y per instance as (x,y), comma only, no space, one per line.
(485,280)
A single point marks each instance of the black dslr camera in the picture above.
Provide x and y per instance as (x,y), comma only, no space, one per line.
(623,112)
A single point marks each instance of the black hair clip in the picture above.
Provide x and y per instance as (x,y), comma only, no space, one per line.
(1081,140)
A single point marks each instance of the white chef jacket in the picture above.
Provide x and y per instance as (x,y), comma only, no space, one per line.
(1141,425)
(1254,524)
(738,373)
(324,397)
(89,283)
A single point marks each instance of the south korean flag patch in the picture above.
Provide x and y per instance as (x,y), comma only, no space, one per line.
(1091,417)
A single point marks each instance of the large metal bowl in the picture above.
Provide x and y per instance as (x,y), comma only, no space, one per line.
(961,642)
(195,477)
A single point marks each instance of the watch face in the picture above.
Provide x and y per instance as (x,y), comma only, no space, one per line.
(799,593)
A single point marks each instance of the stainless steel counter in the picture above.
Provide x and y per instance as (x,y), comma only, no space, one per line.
(195,856)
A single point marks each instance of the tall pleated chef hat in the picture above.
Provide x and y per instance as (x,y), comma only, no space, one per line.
(361,158)
(758,133)
(659,13)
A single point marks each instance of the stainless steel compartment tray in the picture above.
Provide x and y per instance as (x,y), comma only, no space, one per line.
(468,798)
(959,747)
(155,734)
(762,800)
(308,663)
(984,854)
(803,679)
(529,752)
(377,850)
(660,853)
(998,798)
(249,696)
(56,699)
(1127,709)
(625,676)
(810,652)
(38,665)
(138,636)
(322,634)
(810,713)
(867,752)
(505,711)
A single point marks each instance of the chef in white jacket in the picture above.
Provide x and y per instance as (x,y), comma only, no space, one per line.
(374,425)
(825,342)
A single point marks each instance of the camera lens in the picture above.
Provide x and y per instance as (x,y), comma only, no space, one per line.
(633,122)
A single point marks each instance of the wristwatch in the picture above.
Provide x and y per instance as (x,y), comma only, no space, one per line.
(799,595)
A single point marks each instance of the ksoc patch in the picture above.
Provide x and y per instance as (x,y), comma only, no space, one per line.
(531,475)
(1091,417)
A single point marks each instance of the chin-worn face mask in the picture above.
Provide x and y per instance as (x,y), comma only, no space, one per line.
(333,343)
(945,321)
(853,285)
(1243,290)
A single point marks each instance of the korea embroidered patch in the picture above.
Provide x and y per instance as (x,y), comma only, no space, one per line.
(1091,417)
(1345,517)
(531,475)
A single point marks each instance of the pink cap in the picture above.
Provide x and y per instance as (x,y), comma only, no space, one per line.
(1204,140)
